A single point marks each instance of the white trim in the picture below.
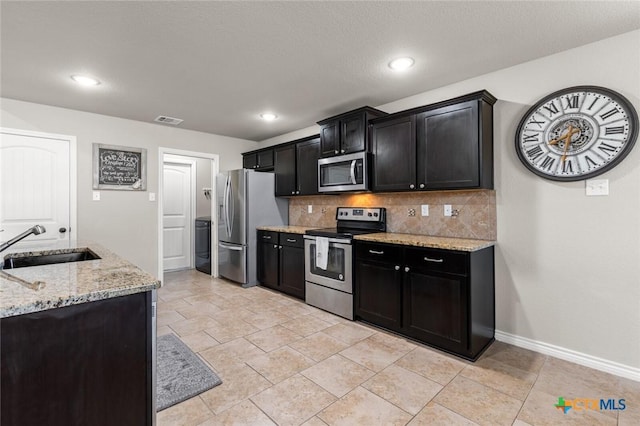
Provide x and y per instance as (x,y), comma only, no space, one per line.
(73,171)
(580,358)
(215,167)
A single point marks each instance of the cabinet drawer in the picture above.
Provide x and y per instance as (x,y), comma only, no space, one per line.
(379,252)
(438,260)
(291,240)
(268,237)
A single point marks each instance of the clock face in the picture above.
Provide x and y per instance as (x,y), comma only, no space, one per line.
(576,133)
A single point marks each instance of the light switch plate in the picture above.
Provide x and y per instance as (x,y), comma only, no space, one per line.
(447,210)
(309,208)
(152,196)
(424,209)
(595,187)
(96,195)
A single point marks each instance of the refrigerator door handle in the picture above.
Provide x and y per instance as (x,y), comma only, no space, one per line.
(228,247)
(231,207)
(226,206)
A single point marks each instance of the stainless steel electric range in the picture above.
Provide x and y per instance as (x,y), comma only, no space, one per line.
(328,261)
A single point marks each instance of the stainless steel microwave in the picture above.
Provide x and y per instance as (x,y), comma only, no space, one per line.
(344,173)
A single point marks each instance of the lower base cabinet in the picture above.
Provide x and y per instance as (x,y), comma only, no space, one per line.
(442,298)
(281,262)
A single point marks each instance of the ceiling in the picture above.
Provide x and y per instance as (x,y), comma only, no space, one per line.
(218,65)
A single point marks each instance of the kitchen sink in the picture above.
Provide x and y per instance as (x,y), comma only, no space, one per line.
(19,260)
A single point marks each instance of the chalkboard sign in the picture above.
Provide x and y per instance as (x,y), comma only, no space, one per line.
(119,167)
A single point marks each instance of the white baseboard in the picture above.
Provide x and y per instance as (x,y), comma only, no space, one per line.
(580,358)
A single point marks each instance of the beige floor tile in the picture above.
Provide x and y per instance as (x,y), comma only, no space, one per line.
(193,325)
(436,415)
(188,413)
(521,423)
(226,316)
(231,355)
(297,309)
(280,364)
(165,329)
(338,375)
(197,309)
(478,403)
(318,346)
(349,333)
(361,407)
(514,356)
(329,317)
(267,319)
(378,351)
(540,409)
(169,317)
(273,338)
(199,341)
(227,331)
(236,386)
(406,389)
(172,305)
(314,421)
(432,364)
(306,325)
(293,401)
(503,377)
(244,413)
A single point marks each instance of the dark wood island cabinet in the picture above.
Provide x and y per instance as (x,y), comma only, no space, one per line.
(281,262)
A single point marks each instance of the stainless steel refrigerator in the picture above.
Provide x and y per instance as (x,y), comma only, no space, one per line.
(246,200)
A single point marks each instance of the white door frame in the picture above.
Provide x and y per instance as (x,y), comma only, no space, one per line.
(215,166)
(73,171)
(192,162)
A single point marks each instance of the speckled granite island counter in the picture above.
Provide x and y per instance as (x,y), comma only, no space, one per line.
(77,339)
(460,244)
(291,229)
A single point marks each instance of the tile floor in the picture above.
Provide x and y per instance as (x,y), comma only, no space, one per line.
(286,363)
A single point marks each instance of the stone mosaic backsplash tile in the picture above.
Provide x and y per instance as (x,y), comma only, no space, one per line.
(476,212)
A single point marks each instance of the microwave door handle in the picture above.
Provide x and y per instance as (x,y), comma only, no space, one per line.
(353,171)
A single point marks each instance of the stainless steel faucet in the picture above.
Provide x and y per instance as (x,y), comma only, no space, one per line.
(36,230)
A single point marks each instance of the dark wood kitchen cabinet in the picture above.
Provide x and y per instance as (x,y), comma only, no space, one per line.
(281,262)
(449,145)
(443,298)
(346,133)
(85,364)
(296,167)
(260,160)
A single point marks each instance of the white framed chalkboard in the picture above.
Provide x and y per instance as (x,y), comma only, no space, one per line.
(119,167)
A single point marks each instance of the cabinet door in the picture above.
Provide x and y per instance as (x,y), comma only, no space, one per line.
(394,161)
(292,270)
(448,151)
(435,308)
(352,133)
(308,154)
(285,171)
(249,161)
(265,159)
(330,139)
(268,264)
(378,293)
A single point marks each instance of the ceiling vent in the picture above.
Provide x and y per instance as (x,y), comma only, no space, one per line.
(168,120)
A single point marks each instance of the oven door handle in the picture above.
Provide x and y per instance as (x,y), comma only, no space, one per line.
(353,171)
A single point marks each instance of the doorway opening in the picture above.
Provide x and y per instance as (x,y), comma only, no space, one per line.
(186,197)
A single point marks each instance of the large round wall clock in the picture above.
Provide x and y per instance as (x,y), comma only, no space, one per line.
(577,133)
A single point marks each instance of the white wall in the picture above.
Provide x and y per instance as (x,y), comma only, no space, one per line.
(567,265)
(122,221)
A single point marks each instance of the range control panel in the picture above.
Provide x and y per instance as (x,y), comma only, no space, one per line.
(363,214)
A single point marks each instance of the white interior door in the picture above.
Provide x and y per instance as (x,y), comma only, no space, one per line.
(178,181)
(35,187)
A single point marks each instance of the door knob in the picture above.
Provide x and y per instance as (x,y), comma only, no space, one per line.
(62,230)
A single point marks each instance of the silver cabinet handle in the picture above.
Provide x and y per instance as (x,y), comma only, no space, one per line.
(266,237)
(376,252)
(297,192)
(293,192)
(412,186)
(422,185)
(335,152)
(289,240)
(275,246)
(406,269)
(428,259)
(342,151)
(279,247)
(397,267)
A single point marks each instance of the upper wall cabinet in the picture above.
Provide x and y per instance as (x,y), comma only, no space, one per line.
(296,167)
(346,133)
(261,160)
(444,146)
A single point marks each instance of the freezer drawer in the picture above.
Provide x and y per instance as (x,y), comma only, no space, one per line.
(232,262)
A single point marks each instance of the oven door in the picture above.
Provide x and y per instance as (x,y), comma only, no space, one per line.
(337,275)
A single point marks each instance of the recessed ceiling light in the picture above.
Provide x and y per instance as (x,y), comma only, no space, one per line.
(84,80)
(268,116)
(401,64)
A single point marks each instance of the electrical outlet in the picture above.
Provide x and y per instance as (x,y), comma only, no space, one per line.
(96,195)
(309,209)
(411,212)
(597,187)
(447,210)
(152,196)
(425,209)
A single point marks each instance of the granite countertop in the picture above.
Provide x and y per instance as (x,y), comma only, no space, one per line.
(38,288)
(460,244)
(285,228)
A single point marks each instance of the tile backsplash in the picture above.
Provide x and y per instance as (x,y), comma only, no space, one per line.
(476,212)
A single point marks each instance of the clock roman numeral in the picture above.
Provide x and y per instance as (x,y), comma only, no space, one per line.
(590,161)
(593,103)
(533,137)
(614,130)
(547,163)
(572,102)
(552,108)
(539,123)
(567,166)
(609,113)
(534,152)
(606,148)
